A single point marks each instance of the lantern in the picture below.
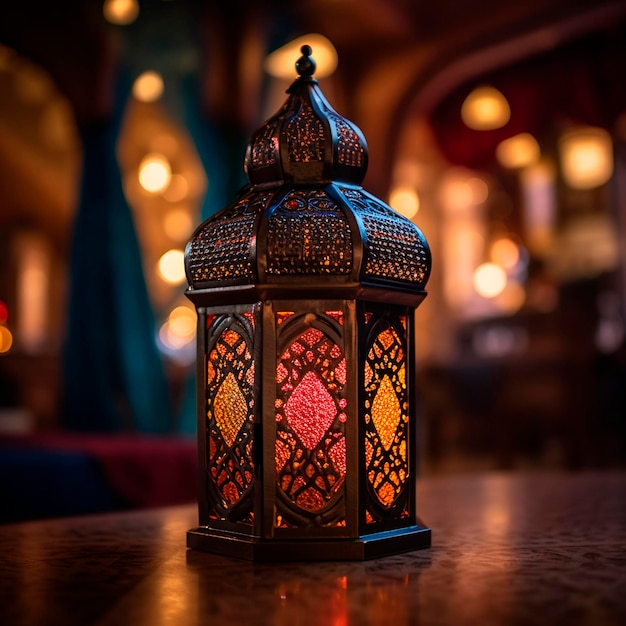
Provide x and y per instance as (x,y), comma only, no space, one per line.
(305,289)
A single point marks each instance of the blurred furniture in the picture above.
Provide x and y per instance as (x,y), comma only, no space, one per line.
(56,474)
(544,548)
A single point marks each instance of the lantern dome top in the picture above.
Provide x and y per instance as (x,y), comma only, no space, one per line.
(306,141)
(303,226)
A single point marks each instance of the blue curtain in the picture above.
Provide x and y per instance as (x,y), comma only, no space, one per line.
(113,374)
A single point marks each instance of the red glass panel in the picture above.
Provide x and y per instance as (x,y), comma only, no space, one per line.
(310,436)
(310,410)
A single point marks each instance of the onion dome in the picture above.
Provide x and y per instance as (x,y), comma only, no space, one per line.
(303,224)
(307,141)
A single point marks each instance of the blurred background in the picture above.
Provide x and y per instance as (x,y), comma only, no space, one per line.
(499,128)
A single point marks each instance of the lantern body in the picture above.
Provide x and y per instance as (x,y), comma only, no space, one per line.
(305,289)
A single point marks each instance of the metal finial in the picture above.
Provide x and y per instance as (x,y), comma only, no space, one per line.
(305,65)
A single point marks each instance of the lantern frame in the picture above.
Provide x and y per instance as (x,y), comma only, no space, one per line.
(305,289)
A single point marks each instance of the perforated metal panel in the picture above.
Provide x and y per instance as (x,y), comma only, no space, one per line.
(308,234)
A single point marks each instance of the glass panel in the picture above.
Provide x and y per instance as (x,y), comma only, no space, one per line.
(386,417)
(230,416)
(310,433)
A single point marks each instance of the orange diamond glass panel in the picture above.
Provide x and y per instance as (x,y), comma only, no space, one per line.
(386,412)
(230,409)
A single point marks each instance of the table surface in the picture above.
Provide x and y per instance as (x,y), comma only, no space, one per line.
(521,548)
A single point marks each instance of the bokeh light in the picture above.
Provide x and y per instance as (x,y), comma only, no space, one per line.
(489,280)
(178,224)
(155,173)
(505,252)
(6,339)
(405,201)
(485,108)
(518,151)
(148,87)
(120,12)
(172,267)
(177,189)
(586,157)
(280,63)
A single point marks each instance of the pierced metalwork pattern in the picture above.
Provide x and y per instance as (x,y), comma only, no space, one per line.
(396,248)
(308,234)
(230,407)
(305,135)
(386,420)
(265,146)
(310,407)
(222,249)
(350,150)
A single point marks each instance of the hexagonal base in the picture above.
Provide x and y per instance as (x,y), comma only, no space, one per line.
(255,549)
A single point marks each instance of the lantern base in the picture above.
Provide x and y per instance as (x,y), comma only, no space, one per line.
(255,549)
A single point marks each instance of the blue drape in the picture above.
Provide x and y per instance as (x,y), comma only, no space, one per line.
(113,374)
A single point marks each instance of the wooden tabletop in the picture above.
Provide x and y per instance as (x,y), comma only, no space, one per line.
(507,549)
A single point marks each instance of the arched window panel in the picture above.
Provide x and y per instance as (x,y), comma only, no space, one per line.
(386,437)
(311,414)
(230,409)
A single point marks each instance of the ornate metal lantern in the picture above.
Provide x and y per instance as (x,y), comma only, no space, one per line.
(305,289)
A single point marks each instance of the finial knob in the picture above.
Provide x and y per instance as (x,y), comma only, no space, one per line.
(305,65)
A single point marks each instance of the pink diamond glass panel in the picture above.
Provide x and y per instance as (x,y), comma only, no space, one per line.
(310,448)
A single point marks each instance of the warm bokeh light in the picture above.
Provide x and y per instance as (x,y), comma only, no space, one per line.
(178,224)
(6,339)
(280,63)
(539,207)
(4,312)
(479,189)
(177,334)
(512,298)
(518,151)
(489,280)
(120,12)
(505,252)
(586,157)
(172,267)
(32,292)
(459,190)
(485,108)
(405,201)
(178,188)
(148,87)
(182,323)
(154,173)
